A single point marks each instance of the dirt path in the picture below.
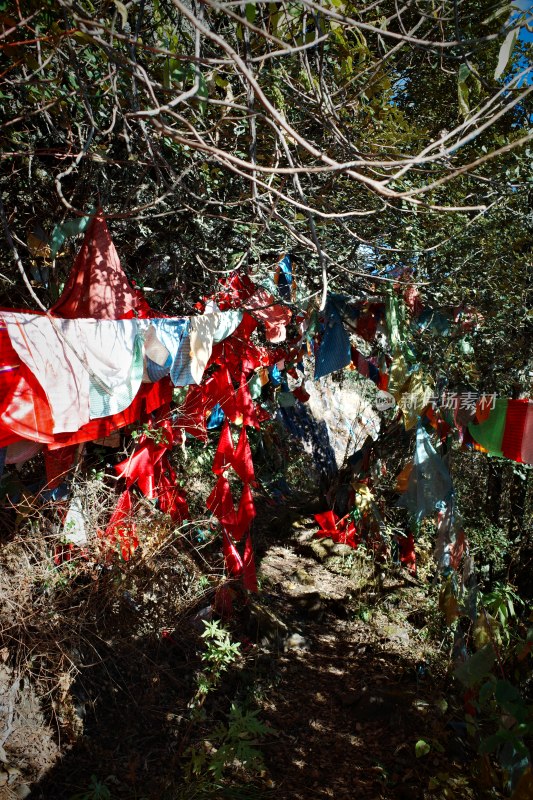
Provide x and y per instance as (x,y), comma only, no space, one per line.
(354,685)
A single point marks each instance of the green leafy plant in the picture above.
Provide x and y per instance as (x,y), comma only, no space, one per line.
(231,744)
(220,653)
(95,791)
(159,435)
(499,704)
(500,603)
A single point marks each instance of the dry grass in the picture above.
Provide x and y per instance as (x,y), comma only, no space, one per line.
(68,613)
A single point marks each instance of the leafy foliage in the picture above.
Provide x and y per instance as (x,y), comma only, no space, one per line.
(214,137)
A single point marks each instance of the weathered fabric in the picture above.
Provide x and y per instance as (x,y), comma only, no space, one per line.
(334,352)
(88,368)
(173,334)
(97,286)
(489,433)
(515,428)
(206,330)
(429,482)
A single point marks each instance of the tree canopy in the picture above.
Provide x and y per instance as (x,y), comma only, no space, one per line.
(375,142)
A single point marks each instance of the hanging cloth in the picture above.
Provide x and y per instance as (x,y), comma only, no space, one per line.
(122,530)
(527,439)
(232,559)
(25,411)
(173,334)
(225,453)
(157,358)
(249,574)
(489,434)
(245,413)
(237,353)
(515,425)
(334,352)
(402,479)
(149,398)
(274,317)
(42,346)
(79,361)
(140,467)
(191,419)
(429,482)
(245,514)
(20,452)
(58,464)
(219,390)
(242,459)
(171,498)
(406,546)
(97,286)
(220,503)
(216,418)
(283,277)
(206,330)
(414,398)
(114,353)
(450,545)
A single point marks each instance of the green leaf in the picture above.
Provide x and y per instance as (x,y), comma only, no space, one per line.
(506,7)
(506,693)
(490,744)
(122,10)
(486,692)
(251,12)
(464,72)
(510,700)
(422,748)
(462,96)
(505,52)
(477,667)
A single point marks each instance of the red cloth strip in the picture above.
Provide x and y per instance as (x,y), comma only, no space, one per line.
(515,423)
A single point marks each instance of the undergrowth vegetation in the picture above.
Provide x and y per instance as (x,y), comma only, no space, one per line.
(73,617)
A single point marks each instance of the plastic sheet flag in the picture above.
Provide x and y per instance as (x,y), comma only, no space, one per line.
(429,483)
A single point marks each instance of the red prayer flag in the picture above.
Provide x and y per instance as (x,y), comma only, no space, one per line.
(57,464)
(121,528)
(406,546)
(245,514)
(170,496)
(220,503)
(515,423)
(242,459)
(246,414)
(232,558)
(225,453)
(97,286)
(249,575)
